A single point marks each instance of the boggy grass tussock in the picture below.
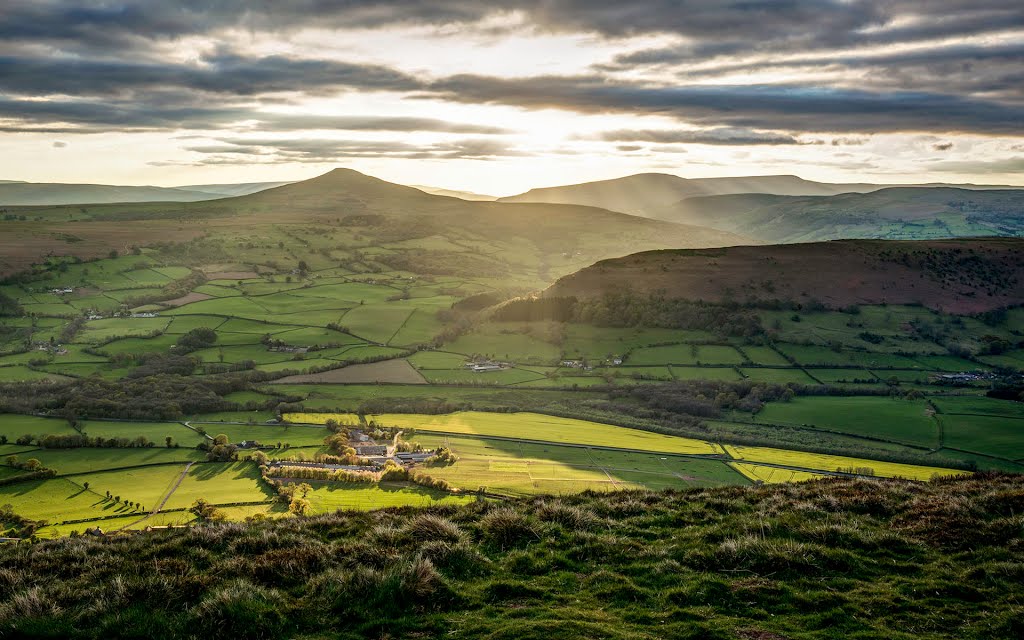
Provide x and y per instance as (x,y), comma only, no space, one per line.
(831,558)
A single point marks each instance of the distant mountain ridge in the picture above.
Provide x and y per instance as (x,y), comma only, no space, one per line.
(645,193)
(17,193)
(541,240)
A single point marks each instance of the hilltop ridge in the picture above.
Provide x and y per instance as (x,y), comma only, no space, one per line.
(958,276)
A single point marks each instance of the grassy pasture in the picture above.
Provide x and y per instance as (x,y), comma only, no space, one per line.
(55,500)
(77,461)
(146,485)
(18,373)
(905,421)
(526,469)
(532,426)
(334,496)
(705,373)
(772,475)
(387,371)
(823,462)
(220,482)
(466,376)
(101,330)
(155,432)
(15,425)
(437,360)
(777,376)
(765,356)
(268,434)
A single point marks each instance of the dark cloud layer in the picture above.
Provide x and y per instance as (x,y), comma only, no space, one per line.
(789,107)
(102,66)
(716,136)
(237,150)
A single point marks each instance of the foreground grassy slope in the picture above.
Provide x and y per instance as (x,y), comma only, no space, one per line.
(826,559)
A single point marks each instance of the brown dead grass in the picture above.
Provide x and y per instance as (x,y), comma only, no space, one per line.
(185,299)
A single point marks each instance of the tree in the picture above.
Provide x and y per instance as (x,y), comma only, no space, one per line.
(85,485)
(168,440)
(304,489)
(299,506)
(220,439)
(206,511)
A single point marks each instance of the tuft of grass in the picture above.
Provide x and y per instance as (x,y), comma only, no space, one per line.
(507,528)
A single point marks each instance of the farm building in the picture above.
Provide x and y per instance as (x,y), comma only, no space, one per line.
(372,450)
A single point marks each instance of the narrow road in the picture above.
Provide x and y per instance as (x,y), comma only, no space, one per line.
(167,497)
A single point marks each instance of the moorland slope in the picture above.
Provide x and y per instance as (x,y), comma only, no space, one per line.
(956,276)
(833,558)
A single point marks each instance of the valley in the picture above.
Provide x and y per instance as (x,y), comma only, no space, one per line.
(122,374)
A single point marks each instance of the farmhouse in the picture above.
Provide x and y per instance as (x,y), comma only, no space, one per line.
(489,366)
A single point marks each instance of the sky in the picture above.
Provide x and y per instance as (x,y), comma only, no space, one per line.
(463,94)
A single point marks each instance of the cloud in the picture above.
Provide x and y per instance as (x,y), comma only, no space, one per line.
(219,73)
(1003,165)
(238,150)
(708,26)
(304,122)
(87,66)
(942,146)
(718,136)
(59,144)
(793,107)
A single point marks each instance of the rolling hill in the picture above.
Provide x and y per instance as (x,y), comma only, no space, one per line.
(455,193)
(14,193)
(648,194)
(958,276)
(898,213)
(547,240)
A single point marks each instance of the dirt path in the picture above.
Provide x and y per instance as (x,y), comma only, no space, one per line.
(174,487)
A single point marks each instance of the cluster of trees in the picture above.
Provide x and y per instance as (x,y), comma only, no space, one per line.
(81,440)
(33,468)
(194,340)
(219,449)
(157,397)
(205,511)
(442,457)
(13,525)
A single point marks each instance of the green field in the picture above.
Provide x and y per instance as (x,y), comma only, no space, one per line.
(532,426)
(903,421)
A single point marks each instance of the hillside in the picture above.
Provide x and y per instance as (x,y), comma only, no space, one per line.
(909,213)
(45,193)
(382,211)
(959,276)
(454,193)
(650,194)
(834,558)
